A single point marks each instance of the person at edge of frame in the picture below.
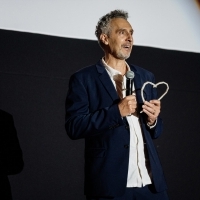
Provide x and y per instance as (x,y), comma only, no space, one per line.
(11,157)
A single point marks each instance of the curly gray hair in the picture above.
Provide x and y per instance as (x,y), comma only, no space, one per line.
(103,25)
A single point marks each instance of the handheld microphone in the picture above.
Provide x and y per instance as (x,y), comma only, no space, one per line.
(129,76)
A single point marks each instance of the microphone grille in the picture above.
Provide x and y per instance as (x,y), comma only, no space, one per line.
(130,74)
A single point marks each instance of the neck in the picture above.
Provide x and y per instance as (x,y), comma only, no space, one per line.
(117,64)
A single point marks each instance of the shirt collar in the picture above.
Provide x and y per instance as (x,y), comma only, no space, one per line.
(111,70)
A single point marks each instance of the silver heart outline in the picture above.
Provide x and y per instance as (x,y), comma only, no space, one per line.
(155,85)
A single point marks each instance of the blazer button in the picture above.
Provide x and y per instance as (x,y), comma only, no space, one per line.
(126,146)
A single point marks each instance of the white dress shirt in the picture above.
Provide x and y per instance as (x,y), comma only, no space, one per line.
(137,172)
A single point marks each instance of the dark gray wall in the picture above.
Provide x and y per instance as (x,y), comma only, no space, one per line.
(34,75)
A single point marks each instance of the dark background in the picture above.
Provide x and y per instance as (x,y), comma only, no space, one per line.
(34,75)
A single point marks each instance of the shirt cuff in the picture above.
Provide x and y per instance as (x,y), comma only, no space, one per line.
(152,126)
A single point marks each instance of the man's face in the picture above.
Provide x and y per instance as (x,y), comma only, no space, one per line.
(120,39)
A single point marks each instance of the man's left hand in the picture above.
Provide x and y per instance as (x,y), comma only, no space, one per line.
(152,109)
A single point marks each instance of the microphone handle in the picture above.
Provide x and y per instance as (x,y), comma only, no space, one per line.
(128,86)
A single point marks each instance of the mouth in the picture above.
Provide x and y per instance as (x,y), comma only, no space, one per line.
(127,46)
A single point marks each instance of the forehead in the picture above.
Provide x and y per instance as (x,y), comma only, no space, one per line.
(120,23)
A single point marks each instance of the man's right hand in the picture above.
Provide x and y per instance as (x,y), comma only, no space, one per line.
(127,105)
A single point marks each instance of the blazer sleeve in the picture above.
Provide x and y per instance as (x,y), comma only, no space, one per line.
(157,130)
(80,122)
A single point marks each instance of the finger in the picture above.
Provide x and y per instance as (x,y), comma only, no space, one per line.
(130,97)
(151,114)
(148,103)
(155,102)
(153,106)
(150,110)
(129,103)
(149,107)
(132,102)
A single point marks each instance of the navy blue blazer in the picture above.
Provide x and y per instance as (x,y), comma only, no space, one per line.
(92,113)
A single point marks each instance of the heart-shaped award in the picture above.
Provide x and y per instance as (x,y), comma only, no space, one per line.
(154,85)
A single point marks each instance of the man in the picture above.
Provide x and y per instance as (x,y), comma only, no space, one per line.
(120,159)
(11,160)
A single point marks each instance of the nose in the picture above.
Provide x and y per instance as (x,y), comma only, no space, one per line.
(129,37)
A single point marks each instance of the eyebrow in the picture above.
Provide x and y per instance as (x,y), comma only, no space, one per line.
(123,29)
(132,31)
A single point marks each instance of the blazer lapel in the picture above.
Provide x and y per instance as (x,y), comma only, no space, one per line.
(109,87)
(106,81)
(138,83)
(138,86)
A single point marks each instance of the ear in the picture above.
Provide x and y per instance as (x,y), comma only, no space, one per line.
(104,38)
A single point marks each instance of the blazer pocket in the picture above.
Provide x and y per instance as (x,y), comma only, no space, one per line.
(95,152)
